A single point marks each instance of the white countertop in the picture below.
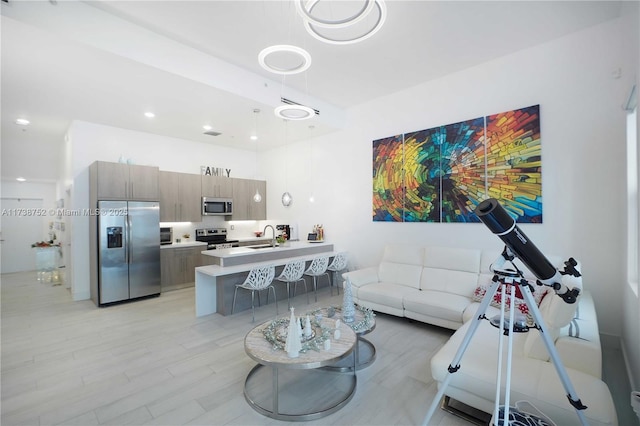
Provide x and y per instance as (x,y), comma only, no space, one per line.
(183,244)
(218,271)
(245,239)
(243,251)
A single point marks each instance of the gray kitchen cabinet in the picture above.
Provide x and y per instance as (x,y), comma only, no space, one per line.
(119,181)
(244,207)
(180,199)
(217,186)
(177,266)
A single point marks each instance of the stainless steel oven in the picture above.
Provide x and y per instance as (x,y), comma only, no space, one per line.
(216,238)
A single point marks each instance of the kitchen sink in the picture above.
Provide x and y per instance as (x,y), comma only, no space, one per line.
(261,246)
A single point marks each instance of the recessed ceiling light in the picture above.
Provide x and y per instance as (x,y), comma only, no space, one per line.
(253,138)
(20,179)
(149,114)
(207,127)
(22,121)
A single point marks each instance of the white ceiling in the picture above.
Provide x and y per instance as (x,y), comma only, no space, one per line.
(195,63)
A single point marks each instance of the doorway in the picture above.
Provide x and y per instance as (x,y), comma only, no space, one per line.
(17,232)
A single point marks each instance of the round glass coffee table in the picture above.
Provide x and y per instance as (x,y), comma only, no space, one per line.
(298,388)
(364,322)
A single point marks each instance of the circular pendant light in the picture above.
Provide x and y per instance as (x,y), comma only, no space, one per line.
(284,59)
(294,112)
(312,29)
(286,199)
(305,12)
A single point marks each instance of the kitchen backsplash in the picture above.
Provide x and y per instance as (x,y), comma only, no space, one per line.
(235,229)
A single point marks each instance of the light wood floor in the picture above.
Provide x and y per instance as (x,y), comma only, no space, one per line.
(154,362)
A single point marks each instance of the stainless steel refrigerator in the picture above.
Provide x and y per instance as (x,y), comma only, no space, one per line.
(128,250)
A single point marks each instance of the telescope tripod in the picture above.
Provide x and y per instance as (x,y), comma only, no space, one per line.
(515,279)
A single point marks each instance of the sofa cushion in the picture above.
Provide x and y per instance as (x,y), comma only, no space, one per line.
(455,259)
(556,314)
(400,274)
(402,253)
(437,304)
(388,294)
(460,283)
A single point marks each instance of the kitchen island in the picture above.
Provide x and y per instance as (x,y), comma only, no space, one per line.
(264,252)
(215,283)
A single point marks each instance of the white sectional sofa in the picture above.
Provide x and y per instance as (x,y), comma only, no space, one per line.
(441,286)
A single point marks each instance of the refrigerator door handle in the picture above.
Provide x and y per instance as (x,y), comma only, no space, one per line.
(128,249)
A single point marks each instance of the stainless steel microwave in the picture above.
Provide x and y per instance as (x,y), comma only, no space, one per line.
(217,206)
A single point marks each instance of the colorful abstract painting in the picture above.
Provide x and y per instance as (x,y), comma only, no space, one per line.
(388,186)
(513,158)
(441,174)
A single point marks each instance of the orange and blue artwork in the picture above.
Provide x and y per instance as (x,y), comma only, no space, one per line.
(441,174)
(388,180)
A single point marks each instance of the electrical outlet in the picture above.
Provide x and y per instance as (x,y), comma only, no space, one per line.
(233,227)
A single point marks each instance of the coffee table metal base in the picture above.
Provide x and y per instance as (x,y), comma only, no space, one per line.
(298,395)
(364,354)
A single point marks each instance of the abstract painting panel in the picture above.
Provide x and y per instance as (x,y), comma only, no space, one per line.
(441,174)
(513,158)
(388,185)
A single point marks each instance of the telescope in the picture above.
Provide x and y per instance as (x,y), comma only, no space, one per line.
(499,222)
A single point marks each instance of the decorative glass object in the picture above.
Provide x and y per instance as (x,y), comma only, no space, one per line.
(293,345)
(348,309)
(286,199)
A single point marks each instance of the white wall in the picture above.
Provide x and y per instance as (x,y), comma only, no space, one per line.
(630,302)
(24,232)
(36,190)
(582,147)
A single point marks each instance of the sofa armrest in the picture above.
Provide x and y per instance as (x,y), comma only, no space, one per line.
(580,354)
(362,277)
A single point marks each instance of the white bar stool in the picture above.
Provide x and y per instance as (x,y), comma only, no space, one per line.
(292,273)
(259,278)
(318,268)
(339,263)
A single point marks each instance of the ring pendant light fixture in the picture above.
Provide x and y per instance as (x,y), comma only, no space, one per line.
(301,63)
(294,112)
(311,24)
(305,12)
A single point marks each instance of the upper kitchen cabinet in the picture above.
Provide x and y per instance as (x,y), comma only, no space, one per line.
(119,181)
(180,199)
(217,186)
(244,207)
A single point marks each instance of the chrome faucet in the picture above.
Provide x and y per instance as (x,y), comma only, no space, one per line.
(273,238)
